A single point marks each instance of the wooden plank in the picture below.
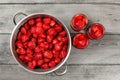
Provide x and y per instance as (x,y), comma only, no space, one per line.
(83,72)
(108,15)
(5,53)
(104,51)
(60,1)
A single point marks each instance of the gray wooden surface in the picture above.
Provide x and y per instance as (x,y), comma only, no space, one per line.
(100,61)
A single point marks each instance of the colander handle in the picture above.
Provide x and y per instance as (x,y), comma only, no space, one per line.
(19,13)
(62,72)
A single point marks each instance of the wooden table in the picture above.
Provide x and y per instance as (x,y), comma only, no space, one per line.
(100,61)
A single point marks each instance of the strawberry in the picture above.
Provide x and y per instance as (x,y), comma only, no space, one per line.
(46,20)
(52,64)
(46,27)
(58,28)
(31,45)
(57,60)
(63,33)
(45,66)
(29,51)
(21,51)
(40,40)
(19,44)
(39,30)
(48,54)
(38,56)
(40,62)
(63,54)
(23,30)
(52,23)
(37,20)
(46,60)
(31,22)
(39,24)
(49,38)
(24,38)
(52,32)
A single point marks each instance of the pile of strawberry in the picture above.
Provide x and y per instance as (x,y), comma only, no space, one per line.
(95,31)
(42,42)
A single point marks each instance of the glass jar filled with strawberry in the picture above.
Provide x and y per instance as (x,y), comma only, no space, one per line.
(96,31)
(80,40)
(79,22)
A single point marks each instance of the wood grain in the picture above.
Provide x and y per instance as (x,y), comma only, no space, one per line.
(104,51)
(99,61)
(82,72)
(108,15)
(60,1)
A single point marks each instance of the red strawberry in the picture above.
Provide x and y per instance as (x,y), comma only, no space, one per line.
(49,38)
(38,20)
(24,38)
(39,30)
(26,26)
(43,35)
(59,38)
(34,40)
(29,51)
(44,45)
(21,51)
(48,54)
(65,40)
(33,29)
(39,24)
(28,58)
(52,32)
(31,22)
(41,40)
(58,28)
(19,35)
(46,60)
(40,62)
(19,44)
(63,33)
(57,60)
(29,33)
(31,45)
(58,46)
(52,64)
(46,20)
(52,23)
(37,49)
(25,44)
(50,46)
(23,30)
(22,57)
(55,53)
(32,64)
(63,54)
(35,36)
(65,47)
(38,56)
(45,66)
(55,41)
(46,26)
